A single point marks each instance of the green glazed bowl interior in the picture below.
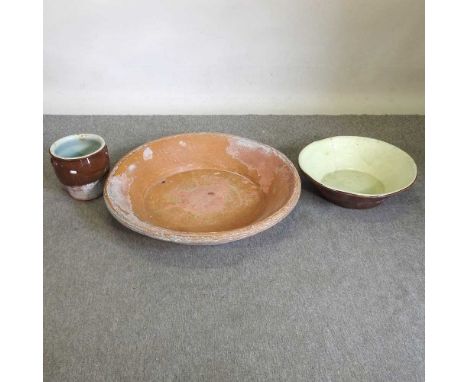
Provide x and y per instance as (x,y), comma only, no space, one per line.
(358,165)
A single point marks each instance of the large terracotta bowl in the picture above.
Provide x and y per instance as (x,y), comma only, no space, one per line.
(357,172)
(202,188)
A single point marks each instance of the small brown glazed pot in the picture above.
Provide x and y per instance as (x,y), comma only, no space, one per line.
(81,163)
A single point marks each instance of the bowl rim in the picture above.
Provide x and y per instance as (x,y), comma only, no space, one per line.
(56,143)
(360,194)
(209,237)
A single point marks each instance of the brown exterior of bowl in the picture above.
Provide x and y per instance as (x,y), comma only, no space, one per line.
(205,161)
(345,199)
(348,200)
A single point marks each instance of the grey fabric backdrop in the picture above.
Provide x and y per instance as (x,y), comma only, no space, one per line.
(329,294)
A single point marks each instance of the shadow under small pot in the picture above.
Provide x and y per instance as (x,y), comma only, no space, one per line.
(357,172)
(81,163)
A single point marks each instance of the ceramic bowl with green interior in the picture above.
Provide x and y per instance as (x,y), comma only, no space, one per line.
(357,172)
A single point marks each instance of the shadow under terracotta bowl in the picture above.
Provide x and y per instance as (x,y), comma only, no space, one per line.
(202,188)
(357,172)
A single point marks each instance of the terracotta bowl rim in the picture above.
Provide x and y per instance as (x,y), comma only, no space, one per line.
(358,194)
(210,237)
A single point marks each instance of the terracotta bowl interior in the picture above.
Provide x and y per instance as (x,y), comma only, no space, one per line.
(358,165)
(77,146)
(202,182)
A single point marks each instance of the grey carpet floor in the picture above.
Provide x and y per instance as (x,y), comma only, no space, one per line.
(329,294)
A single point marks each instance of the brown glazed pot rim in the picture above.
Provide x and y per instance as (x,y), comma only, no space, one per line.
(211,237)
(71,136)
(382,195)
